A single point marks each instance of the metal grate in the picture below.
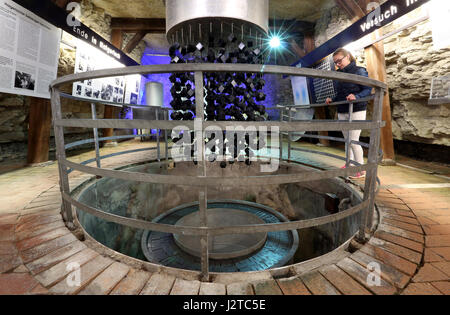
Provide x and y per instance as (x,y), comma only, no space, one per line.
(324,88)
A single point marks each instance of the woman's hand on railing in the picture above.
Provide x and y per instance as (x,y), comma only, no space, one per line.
(351,97)
(328,101)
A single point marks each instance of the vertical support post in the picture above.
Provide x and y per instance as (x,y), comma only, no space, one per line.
(40,124)
(348,141)
(289,136)
(166,142)
(97,146)
(376,67)
(204,239)
(61,156)
(371,176)
(281,135)
(158,147)
(203,200)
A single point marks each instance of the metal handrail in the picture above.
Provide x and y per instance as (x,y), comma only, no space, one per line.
(215,231)
(202,180)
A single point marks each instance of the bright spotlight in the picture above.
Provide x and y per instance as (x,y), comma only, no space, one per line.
(275,42)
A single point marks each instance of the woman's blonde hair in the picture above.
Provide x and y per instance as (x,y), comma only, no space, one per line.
(345,53)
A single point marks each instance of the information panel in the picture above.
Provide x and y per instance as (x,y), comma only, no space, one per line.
(114,89)
(29,51)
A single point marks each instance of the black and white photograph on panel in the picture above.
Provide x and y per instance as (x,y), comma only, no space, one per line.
(24,80)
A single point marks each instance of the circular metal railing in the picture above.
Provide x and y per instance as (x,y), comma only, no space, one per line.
(199,126)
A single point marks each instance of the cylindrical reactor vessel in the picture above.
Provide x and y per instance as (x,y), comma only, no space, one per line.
(189,21)
(222,32)
(154,94)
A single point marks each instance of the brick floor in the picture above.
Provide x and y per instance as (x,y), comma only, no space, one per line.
(429,273)
(431,256)
(421,289)
(158,284)
(266,287)
(342,281)
(185,287)
(107,280)
(411,244)
(293,286)
(318,284)
(16,283)
(442,286)
(240,288)
(132,283)
(207,288)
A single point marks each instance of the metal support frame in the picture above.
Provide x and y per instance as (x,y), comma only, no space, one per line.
(289,135)
(371,174)
(348,141)
(95,130)
(64,186)
(202,180)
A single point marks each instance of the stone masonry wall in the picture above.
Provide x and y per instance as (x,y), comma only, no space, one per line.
(411,63)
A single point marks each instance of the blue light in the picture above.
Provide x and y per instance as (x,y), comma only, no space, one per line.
(275,42)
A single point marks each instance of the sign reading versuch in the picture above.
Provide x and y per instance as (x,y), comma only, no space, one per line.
(379,17)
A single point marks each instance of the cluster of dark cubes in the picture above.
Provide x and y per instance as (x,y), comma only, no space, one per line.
(227,96)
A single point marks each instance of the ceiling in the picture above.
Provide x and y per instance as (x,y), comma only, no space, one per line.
(304,10)
(301,10)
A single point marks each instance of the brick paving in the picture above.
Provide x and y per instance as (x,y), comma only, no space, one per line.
(411,246)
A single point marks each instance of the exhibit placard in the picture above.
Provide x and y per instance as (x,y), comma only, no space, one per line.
(29,51)
(113,89)
(65,19)
(301,97)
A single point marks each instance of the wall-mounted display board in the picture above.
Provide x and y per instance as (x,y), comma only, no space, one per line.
(301,97)
(440,91)
(29,51)
(114,89)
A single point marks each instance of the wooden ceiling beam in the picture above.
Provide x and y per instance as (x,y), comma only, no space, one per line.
(137,25)
(131,45)
(352,9)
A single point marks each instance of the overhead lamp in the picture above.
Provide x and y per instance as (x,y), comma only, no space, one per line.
(275,42)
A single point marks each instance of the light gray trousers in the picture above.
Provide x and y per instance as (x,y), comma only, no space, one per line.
(356,151)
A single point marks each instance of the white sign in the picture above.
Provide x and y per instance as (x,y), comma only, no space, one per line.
(133,83)
(440,15)
(114,89)
(29,51)
(301,97)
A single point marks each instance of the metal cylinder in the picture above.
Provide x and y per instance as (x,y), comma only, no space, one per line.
(154,94)
(181,15)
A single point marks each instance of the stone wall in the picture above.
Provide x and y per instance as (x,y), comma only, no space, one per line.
(411,63)
(14,109)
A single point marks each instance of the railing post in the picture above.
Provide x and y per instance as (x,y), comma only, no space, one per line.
(348,141)
(371,175)
(289,136)
(64,187)
(281,135)
(203,193)
(97,147)
(158,148)
(166,142)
